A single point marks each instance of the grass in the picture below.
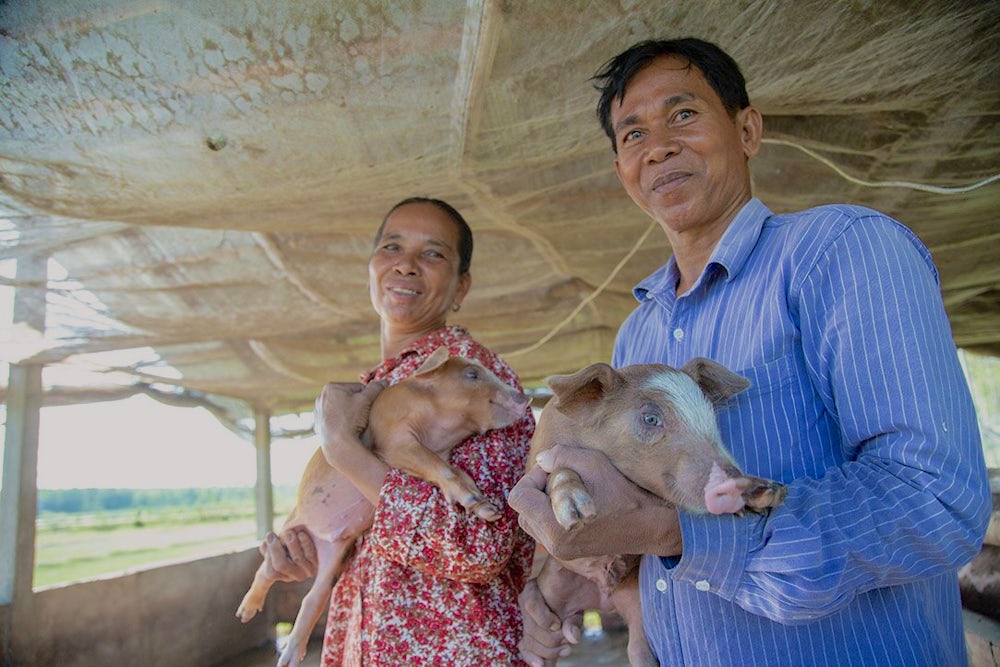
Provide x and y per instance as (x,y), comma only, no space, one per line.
(70,549)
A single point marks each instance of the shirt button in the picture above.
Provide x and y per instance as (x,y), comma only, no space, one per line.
(678,334)
(702,585)
(661,585)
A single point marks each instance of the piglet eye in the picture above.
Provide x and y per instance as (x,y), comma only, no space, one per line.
(651,419)
(472,373)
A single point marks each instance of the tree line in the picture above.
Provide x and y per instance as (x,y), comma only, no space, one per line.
(73,501)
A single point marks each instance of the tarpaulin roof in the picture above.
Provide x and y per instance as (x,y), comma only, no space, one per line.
(207,175)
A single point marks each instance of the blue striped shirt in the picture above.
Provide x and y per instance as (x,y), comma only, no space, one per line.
(858,402)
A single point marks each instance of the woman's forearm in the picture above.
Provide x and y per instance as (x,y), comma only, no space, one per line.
(365,470)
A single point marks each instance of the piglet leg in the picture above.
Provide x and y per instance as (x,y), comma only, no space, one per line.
(456,485)
(332,556)
(253,601)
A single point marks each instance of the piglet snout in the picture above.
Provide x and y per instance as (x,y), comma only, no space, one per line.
(508,407)
(723,494)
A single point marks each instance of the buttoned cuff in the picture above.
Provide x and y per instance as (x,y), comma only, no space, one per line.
(715,551)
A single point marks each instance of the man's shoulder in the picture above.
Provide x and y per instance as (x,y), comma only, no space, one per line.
(832,221)
(834,216)
(838,229)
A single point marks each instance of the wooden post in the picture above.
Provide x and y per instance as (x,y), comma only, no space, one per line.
(19,494)
(264,492)
(19,497)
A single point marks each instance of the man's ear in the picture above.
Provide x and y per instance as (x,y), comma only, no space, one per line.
(750,124)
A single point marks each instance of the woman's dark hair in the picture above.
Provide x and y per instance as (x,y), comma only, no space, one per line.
(717,66)
(464,232)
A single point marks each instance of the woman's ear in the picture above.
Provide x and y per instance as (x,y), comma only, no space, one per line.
(464,283)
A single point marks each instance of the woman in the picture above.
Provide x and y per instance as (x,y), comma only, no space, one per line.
(429,584)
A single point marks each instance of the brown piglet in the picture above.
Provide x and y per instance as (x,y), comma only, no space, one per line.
(657,426)
(413,425)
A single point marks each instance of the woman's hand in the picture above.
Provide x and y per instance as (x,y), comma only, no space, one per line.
(629,520)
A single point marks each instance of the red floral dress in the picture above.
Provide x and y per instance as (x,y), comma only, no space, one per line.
(429,584)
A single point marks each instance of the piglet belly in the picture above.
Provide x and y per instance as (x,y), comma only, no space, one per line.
(335,510)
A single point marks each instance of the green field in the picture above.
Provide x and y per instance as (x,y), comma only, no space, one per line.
(70,548)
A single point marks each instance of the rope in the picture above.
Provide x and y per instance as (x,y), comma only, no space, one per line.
(593,295)
(935,189)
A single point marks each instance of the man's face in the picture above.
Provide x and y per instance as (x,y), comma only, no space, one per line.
(681,156)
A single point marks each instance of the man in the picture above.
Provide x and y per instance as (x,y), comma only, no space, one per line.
(857,402)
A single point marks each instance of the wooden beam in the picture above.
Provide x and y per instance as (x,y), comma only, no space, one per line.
(19,494)
(264,492)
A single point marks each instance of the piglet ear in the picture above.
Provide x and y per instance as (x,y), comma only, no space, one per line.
(589,384)
(716,381)
(437,358)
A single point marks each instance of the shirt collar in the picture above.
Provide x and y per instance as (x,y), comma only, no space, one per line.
(733,249)
(730,253)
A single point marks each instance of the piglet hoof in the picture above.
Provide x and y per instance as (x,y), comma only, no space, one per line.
(571,503)
(250,605)
(292,655)
(477,505)
(763,493)
(245,613)
(482,508)
(459,488)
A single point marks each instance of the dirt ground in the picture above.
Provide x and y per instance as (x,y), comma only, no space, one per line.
(605,650)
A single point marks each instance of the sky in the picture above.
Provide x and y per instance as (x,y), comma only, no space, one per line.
(140,443)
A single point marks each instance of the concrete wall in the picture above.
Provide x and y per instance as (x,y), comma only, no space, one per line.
(178,614)
(184,614)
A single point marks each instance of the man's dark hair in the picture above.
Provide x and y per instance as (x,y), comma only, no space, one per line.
(717,66)
(464,231)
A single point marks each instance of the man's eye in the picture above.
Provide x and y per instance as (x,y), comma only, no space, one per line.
(685,114)
(631,135)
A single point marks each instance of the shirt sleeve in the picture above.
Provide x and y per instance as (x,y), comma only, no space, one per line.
(415,526)
(911,499)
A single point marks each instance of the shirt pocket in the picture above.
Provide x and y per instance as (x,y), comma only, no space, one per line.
(771,426)
(770,376)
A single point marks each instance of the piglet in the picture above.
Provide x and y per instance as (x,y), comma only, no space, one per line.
(413,425)
(657,425)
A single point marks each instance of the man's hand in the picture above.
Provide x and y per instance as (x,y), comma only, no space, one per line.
(292,556)
(629,520)
(545,637)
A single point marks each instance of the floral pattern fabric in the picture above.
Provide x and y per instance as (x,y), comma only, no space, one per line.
(430,584)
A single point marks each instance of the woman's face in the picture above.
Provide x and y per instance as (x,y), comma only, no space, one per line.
(413,272)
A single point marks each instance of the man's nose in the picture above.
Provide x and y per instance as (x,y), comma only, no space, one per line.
(662,145)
